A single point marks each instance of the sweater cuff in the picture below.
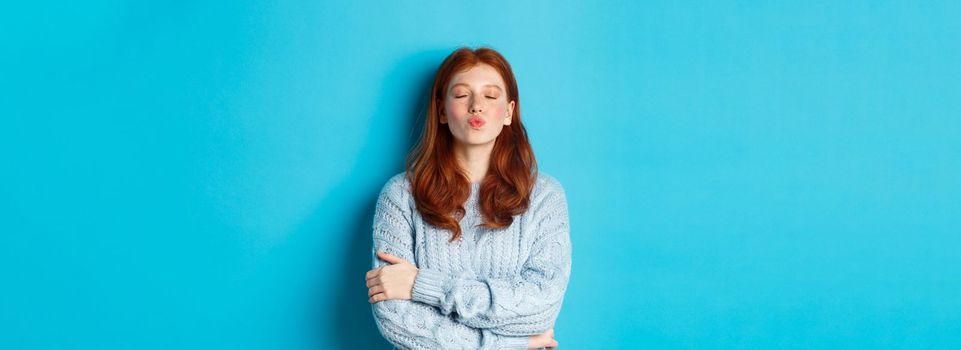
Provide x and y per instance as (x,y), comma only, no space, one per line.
(429,286)
(512,343)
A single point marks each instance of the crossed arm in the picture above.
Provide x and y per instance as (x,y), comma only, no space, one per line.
(424,308)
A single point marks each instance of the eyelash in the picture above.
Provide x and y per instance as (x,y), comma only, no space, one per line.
(490,97)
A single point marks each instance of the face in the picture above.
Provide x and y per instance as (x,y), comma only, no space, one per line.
(475,107)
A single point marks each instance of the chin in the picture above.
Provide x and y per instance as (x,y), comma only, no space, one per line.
(476,142)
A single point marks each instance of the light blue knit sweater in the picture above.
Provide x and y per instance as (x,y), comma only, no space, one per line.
(489,290)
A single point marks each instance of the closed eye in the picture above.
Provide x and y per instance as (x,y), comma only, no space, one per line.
(490,97)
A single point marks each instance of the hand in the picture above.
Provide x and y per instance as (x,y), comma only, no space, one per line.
(394,281)
(542,340)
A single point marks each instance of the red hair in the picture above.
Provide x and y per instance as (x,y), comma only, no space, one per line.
(438,183)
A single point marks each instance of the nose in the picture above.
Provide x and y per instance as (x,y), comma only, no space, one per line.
(476,107)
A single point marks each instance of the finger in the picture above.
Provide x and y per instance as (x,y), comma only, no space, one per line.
(376,298)
(374,290)
(390,258)
(373,282)
(373,273)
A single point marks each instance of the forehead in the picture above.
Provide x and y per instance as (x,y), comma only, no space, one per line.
(478,76)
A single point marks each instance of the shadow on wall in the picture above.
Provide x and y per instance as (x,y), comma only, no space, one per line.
(348,313)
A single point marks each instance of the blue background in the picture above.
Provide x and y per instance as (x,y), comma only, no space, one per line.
(739,175)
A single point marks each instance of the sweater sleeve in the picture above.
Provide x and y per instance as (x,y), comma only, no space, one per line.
(409,324)
(525,304)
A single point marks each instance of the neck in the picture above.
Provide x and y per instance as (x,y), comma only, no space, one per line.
(475,159)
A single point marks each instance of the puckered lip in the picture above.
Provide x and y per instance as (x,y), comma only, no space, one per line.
(476,121)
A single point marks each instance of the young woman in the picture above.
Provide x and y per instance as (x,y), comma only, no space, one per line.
(472,245)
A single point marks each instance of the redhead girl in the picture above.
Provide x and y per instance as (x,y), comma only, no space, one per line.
(471,243)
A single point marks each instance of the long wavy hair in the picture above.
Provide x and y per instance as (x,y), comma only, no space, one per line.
(440,186)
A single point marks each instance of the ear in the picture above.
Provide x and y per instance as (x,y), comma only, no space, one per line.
(510,113)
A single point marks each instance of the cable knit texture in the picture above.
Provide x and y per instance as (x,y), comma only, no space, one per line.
(489,290)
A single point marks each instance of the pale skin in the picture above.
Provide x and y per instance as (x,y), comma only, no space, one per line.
(475,108)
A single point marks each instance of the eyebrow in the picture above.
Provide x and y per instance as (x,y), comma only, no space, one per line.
(488,85)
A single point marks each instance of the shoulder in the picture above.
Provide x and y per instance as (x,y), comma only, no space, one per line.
(398,184)
(547,185)
(547,215)
(399,180)
(548,193)
(396,191)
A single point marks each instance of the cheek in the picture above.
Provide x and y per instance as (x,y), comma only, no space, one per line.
(454,108)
